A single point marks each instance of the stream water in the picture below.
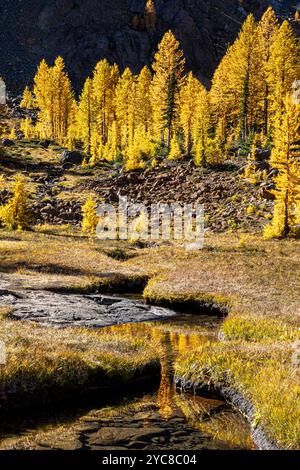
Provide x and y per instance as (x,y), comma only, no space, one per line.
(159,418)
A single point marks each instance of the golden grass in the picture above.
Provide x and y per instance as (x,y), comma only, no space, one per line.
(46,362)
(264,375)
(257,281)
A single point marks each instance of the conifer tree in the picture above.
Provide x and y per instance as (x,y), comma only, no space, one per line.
(125,108)
(143,99)
(285,158)
(53,97)
(202,138)
(26,126)
(188,105)
(175,150)
(86,115)
(12,134)
(242,76)
(168,66)
(27,99)
(267,30)
(89,216)
(250,172)
(63,101)
(43,97)
(283,68)
(139,150)
(111,150)
(15,215)
(223,103)
(103,90)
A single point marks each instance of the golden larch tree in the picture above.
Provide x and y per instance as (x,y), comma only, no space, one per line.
(266,32)
(86,115)
(285,158)
(168,65)
(188,106)
(242,77)
(15,215)
(143,99)
(283,68)
(125,107)
(89,216)
(202,127)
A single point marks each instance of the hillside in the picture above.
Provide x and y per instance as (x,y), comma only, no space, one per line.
(85,31)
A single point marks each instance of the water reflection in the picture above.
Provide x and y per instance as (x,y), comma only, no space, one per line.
(184,334)
(163,419)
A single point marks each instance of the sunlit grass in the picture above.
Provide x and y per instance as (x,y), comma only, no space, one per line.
(264,375)
(255,281)
(45,362)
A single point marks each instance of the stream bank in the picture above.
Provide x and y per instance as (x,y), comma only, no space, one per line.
(159,419)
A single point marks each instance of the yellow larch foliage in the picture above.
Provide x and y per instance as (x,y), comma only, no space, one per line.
(86,115)
(266,32)
(283,68)
(285,158)
(223,102)
(175,150)
(111,150)
(140,150)
(27,99)
(12,133)
(143,99)
(138,231)
(188,105)
(104,84)
(251,173)
(242,76)
(125,108)
(53,97)
(63,101)
(203,147)
(27,127)
(168,65)
(89,216)
(15,215)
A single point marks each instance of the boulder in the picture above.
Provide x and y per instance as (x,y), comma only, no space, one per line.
(262,154)
(8,143)
(71,158)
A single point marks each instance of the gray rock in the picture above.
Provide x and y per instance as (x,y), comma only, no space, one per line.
(92,311)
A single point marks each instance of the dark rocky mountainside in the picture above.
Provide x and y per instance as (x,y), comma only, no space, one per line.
(84,31)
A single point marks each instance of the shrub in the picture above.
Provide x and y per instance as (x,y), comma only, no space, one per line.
(15,215)
(89,216)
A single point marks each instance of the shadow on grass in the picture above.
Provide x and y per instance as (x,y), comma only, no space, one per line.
(17,423)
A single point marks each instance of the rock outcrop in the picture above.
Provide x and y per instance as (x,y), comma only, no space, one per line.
(84,31)
(89,311)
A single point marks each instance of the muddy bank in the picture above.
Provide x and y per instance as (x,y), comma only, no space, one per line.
(235,399)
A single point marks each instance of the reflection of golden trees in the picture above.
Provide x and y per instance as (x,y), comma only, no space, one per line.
(172,343)
(169,343)
(166,391)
